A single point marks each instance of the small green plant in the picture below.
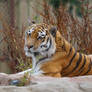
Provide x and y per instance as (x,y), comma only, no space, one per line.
(25,80)
(23,65)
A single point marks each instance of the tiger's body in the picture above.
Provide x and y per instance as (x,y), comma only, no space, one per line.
(52,55)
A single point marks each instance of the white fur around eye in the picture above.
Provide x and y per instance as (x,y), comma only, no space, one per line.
(30,31)
(41,34)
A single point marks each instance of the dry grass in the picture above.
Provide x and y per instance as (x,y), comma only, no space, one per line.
(14,49)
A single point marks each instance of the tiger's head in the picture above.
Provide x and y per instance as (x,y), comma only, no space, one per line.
(40,38)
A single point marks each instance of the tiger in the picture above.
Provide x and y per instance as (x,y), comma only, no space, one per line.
(52,55)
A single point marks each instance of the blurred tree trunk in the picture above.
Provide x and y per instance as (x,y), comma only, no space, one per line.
(12,13)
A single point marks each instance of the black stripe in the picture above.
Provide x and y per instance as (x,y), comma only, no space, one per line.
(47,40)
(77,64)
(40,60)
(82,67)
(69,52)
(43,58)
(49,45)
(89,67)
(46,43)
(70,62)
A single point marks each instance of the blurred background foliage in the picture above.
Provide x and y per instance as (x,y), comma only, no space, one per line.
(73,18)
(72,3)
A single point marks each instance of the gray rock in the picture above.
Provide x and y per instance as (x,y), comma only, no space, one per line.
(48,84)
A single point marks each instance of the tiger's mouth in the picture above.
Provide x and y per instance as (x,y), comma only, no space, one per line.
(33,52)
(36,53)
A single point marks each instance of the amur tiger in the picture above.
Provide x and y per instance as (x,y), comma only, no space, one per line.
(52,55)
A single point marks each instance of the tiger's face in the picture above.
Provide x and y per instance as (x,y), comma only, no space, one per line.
(38,39)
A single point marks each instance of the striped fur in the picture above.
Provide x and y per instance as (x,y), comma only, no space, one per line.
(57,57)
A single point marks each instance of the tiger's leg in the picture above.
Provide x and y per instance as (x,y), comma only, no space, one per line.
(52,69)
(58,75)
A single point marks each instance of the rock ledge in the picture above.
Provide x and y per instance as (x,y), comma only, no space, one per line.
(48,84)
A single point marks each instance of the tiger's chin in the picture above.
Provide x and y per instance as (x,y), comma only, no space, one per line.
(28,54)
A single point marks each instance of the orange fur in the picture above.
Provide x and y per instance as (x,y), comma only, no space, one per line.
(63,62)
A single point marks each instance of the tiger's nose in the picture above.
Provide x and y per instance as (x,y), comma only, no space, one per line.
(29,47)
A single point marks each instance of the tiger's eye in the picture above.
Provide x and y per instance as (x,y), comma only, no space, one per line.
(29,33)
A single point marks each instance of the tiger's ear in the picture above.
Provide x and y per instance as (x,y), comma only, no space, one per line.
(33,22)
(53,31)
